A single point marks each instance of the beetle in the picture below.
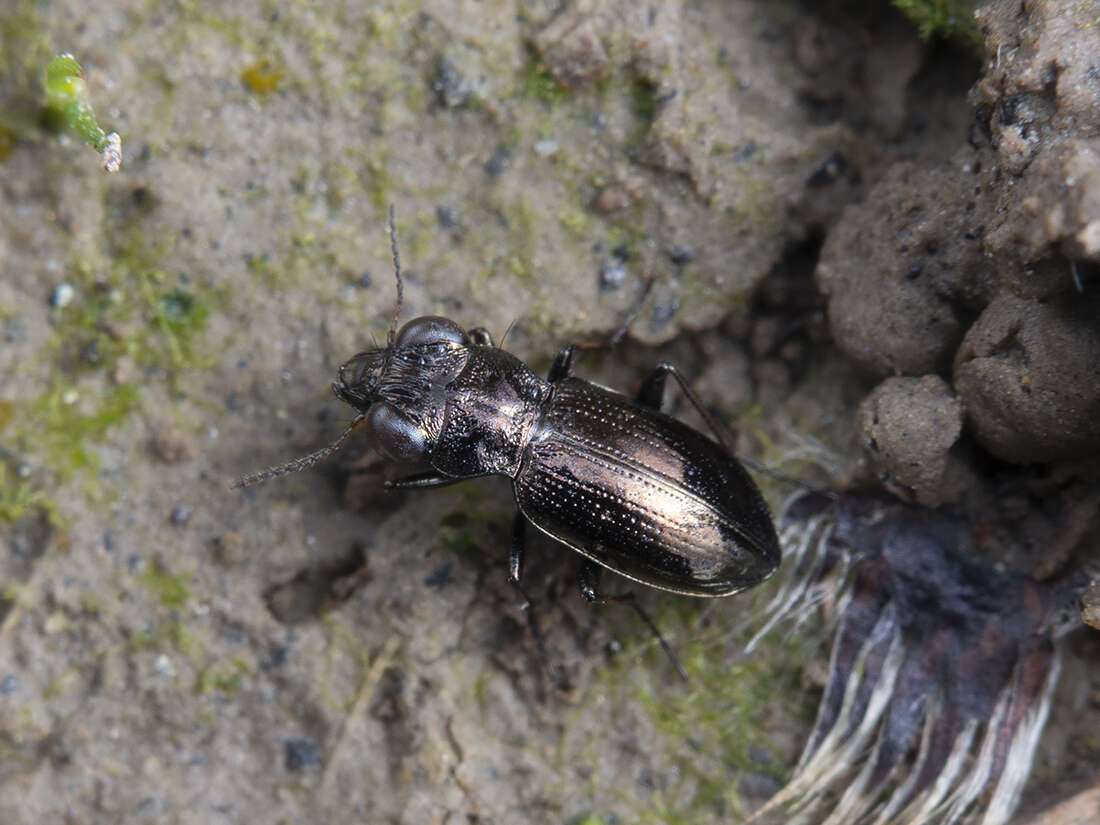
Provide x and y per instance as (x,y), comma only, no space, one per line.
(626,486)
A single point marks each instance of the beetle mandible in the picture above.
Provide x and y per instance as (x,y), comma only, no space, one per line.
(626,486)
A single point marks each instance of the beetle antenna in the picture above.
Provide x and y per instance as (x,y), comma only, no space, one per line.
(298,463)
(504,337)
(397,271)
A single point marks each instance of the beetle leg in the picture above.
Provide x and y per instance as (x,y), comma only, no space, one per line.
(653,390)
(589,578)
(562,367)
(515,572)
(563,364)
(515,554)
(480,336)
(652,393)
(421,481)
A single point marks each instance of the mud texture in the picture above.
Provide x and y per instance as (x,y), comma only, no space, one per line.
(320,650)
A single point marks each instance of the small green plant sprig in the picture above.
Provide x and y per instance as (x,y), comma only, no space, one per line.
(66,92)
(947,19)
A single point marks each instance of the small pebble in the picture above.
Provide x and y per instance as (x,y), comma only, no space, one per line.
(230,548)
(450,87)
(173,446)
(498,162)
(681,255)
(90,354)
(56,622)
(547,147)
(612,273)
(301,754)
(440,577)
(279,654)
(447,216)
(62,295)
(618,196)
(829,171)
(745,151)
(663,312)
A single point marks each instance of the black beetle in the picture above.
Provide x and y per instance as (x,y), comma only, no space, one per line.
(626,486)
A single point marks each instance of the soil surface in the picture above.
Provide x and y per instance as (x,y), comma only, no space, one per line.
(876,258)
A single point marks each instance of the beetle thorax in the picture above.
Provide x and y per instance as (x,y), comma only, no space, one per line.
(491,408)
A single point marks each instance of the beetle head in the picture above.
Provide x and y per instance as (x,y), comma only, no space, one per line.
(359,377)
(360,384)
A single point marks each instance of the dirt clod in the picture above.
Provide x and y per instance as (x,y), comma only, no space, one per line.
(1027,373)
(908,426)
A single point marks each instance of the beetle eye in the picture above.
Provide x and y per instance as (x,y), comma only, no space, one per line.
(351,372)
(430,329)
(397,437)
(357,366)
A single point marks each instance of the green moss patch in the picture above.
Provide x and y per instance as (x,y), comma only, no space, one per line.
(171,589)
(947,19)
